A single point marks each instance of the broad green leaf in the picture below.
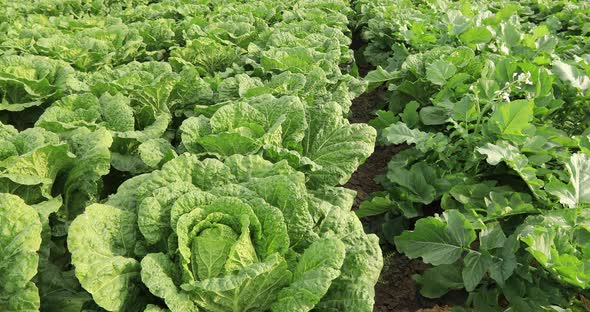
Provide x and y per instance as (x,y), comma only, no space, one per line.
(211,250)
(205,54)
(379,76)
(439,72)
(383,120)
(242,254)
(558,240)
(572,75)
(363,263)
(20,240)
(70,112)
(22,300)
(161,276)
(38,168)
(438,241)
(334,144)
(417,181)
(153,308)
(31,80)
(102,241)
(505,262)
(509,154)
(399,133)
(317,267)
(437,281)
(476,265)
(285,193)
(153,213)
(375,206)
(432,115)
(465,110)
(476,35)
(504,204)
(83,183)
(117,112)
(492,237)
(577,192)
(410,114)
(512,118)
(295,59)
(155,152)
(461,56)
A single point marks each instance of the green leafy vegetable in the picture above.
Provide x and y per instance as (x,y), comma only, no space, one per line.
(243,234)
(491,99)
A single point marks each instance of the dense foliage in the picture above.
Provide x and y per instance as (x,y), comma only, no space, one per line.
(180,156)
(491,99)
(241,235)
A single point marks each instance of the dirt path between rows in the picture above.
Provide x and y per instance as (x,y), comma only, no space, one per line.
(396,289)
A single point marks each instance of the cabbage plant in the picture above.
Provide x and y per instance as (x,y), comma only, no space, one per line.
(29,80)
(239,235)
(314,139)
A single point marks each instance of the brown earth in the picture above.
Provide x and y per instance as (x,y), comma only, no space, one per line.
(397,291)
(436,308)
(362,181)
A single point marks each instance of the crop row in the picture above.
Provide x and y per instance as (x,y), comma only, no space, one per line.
(181,156)
(491,98)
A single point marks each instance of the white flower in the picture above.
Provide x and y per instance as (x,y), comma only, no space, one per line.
(506,96)
(525,77)
(528,79)
(503,95)
(471,88)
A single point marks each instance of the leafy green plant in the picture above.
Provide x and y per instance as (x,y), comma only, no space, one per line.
(33,160)
(483,96)
(98,94)
(28,81)
(240,235)
(316,140)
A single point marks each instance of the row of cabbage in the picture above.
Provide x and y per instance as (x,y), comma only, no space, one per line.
(491,98)
(225,122)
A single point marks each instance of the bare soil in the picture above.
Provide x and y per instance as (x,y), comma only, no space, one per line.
(436,308)
(362,181)
(397,291)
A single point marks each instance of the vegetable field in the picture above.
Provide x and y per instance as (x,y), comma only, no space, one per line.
(297,155)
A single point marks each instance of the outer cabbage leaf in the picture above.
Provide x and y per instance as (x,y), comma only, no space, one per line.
(87,43)
(335,145)
(102,241)
(35,160)
(21,239)
(148,84)
(559,242)
(577,192)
